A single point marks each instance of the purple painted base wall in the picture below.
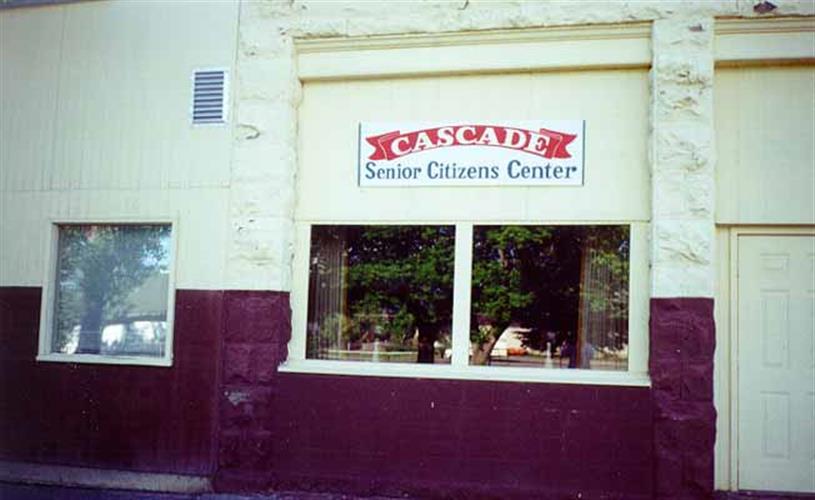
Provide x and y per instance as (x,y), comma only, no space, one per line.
(137,418)
(463,437)
(432,437)
(224,410)
(683,340)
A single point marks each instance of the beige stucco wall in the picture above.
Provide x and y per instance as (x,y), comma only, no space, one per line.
(95,125)
(765,135)
(682,143)
(614,104)
(94,122)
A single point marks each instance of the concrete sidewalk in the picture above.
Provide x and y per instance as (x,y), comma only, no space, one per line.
(16,491)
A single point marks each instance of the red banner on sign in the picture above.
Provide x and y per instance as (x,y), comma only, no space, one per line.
(542,142)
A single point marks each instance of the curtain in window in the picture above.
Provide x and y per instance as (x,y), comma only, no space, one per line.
(603,318)
(327,293)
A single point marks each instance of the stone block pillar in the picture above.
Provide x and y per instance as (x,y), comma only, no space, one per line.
(256,328)
(682,336)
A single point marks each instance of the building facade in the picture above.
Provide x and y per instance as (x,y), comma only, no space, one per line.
(277,310)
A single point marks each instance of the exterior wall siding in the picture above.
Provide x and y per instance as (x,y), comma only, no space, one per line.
(139,418)
(434,438)
(94,125)
(268,93)
(765,171)
(460,438)
(273,430)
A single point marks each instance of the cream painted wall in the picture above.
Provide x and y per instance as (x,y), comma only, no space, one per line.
(613,103)
(95,96)
(66,150)
(95,124)
(765,135)
(274,39)
(765,175)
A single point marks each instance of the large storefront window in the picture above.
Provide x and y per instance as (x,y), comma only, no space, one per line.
(540,296)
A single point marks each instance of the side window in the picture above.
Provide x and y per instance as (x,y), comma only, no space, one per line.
(110,295)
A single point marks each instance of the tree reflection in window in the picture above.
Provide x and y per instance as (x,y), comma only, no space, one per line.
(549,296)
(552,296)
(381,293)
(112,290)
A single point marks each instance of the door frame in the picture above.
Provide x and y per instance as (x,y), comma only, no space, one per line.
(725,373)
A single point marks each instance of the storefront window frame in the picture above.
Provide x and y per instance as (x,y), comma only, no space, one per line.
(459,368)
(47,307)
(351,60)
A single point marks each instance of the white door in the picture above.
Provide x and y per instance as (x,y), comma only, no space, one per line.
(776,363)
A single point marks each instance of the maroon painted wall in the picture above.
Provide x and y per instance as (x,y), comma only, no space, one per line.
(223,409)
(682,344)
(112,416)
(430,437)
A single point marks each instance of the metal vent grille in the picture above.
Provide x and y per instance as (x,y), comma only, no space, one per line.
(209,89)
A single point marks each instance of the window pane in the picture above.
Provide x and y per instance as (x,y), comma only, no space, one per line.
(550,296)
(111,290)
(381,293)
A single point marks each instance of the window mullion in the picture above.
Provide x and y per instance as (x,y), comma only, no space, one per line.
(299,294)
(462,279)
(638,298)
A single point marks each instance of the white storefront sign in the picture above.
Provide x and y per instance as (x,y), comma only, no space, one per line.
(484,153)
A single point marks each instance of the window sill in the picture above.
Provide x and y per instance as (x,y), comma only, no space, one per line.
(479,373)
(99,359)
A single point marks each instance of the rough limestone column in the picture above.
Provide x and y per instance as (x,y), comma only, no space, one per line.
(256,310)
(682,337)
(264,161)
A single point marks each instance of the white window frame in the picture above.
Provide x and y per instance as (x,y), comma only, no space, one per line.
(459,368)
(49,294)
